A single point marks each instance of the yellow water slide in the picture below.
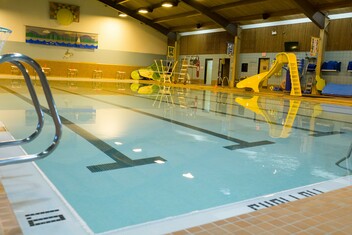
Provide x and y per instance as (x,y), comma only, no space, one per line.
(281,59)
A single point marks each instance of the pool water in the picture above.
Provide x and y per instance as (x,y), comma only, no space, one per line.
(128,158)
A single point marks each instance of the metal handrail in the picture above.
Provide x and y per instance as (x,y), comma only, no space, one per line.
(36,106)
(349,154)
(222,79)
(16,59)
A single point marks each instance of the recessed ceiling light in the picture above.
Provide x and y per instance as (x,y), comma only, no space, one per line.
(143,10)
(122,14)
(167,4)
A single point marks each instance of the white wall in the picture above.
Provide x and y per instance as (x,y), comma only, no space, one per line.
(115,33)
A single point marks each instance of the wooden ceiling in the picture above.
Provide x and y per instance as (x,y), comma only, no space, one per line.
(192,15)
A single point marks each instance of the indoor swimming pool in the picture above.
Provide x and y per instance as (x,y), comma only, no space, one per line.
(131,155)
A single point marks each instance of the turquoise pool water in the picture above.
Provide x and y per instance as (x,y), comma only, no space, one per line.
(127,158)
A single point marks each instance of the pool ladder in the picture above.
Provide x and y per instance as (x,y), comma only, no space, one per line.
(349,154)
(17,60)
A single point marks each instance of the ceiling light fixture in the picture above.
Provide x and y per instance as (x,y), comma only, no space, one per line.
(143,10)
(121,14)
(167,4)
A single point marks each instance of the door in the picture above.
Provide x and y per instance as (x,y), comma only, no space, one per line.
(224,71)
(208,71)
(264,64)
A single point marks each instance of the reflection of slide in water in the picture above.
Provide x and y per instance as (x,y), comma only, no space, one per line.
(281,59)
(274,130)
(290,118)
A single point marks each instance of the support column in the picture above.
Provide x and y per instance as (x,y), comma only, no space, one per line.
(320,83)
(177,47)
(236,55)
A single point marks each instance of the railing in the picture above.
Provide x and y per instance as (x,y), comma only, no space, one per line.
(349,153)
(17,60)
(221,80)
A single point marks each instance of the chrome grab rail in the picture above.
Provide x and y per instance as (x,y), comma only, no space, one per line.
(349,154)
(222,79)
(36,106)
(17,59)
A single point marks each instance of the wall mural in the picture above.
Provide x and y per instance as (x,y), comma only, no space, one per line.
(54,37)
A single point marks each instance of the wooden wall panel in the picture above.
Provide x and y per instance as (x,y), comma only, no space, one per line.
(209,44)
(183,44)
(339,35)
(212,43)
(248,40)
(261,39)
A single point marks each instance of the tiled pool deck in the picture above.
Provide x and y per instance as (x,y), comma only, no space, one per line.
(328,213)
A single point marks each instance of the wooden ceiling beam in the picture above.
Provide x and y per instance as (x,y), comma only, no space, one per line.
(177,16)
(335,5)
(192,27)
(235,4)
(218,19)
(213,9)
(133,14)
(271,14)
(311,11)
(121,1)
(322,7)
(317,17)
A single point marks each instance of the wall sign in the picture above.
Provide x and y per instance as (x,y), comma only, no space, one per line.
(230,48)
(314,46)
(170,51)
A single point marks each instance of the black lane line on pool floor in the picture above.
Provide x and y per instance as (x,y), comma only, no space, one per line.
(121,160)
(240,143)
